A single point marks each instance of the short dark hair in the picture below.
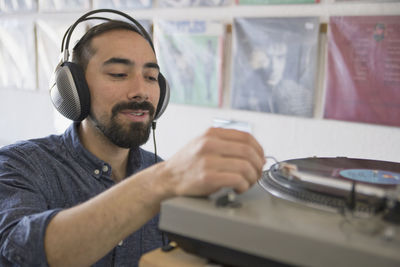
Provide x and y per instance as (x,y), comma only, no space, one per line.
(83,51)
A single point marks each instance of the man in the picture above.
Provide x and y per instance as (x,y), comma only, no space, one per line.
(287,95)
(270,90)
(91,196)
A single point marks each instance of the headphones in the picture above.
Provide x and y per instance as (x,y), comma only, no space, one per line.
(69,91)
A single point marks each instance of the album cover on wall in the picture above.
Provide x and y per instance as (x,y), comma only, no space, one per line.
(193,3)
(18,6)
(275,2)
(370,1)
(363,69)
(121,4)
(64,5)
(274,64)
(17,54)
(190,56)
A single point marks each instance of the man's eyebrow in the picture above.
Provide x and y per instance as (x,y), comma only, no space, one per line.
(152,65)
(118,60)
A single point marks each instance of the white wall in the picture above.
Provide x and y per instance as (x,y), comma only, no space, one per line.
(281,136)
(29,114)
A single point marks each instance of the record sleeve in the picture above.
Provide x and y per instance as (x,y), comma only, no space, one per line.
(363,69)
(18,6)
(368,1)
(275,2)
(64,5)
(190,56)
(122,4)
(274,65)
(17,54)
(193,3)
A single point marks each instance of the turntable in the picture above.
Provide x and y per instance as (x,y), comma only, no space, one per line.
(307,212)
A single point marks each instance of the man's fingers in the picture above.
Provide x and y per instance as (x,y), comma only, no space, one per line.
(218,158)
(237,166)
(230,148)
(237,136)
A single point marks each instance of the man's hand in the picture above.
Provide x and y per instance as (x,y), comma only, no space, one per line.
(218,158)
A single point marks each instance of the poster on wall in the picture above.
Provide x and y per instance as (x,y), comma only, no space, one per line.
(363,69)
(275,2)
(190,56)
(121,4)
(370,1)
(64,5)
(193,3)
(17,54)
(18,6)
(274,65)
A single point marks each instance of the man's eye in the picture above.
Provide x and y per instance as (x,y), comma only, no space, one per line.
(152,78)
(117,75)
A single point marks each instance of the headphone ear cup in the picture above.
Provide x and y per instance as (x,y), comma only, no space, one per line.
(164,96)
(70,93)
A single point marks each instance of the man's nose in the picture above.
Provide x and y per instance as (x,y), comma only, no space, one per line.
(137,88)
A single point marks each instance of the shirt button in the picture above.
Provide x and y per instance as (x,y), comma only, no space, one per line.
(121,243)
(105,168)
(96,171)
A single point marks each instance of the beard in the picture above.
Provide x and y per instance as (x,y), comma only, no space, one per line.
(132,135)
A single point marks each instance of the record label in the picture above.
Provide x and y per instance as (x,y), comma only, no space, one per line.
(371,176)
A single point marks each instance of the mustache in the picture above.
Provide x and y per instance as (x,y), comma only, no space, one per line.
(145,105)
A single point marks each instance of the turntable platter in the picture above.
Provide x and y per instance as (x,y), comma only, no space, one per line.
(333,183)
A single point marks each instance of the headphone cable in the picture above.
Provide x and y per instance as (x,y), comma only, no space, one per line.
(153,126)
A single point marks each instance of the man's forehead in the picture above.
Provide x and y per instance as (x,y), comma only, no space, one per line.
(119,31)
(120,46)
(119,36)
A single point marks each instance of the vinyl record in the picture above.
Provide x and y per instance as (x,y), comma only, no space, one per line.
(333,183)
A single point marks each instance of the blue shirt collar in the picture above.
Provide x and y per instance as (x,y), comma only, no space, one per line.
(90,161)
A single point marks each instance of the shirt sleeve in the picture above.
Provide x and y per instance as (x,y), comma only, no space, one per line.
(24,212)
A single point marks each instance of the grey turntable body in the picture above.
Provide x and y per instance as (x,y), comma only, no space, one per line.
(284,231)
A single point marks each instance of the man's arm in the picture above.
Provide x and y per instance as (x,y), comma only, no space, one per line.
(81,235)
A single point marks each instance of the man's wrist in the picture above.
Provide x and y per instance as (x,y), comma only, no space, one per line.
(162,185)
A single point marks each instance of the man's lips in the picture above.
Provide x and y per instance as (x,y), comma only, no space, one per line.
(136,115)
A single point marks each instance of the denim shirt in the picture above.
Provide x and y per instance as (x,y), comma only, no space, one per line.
(41,177)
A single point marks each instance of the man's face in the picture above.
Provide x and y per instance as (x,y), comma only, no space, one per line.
(273,60)
(122,76)
(379,32)
(276,54)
